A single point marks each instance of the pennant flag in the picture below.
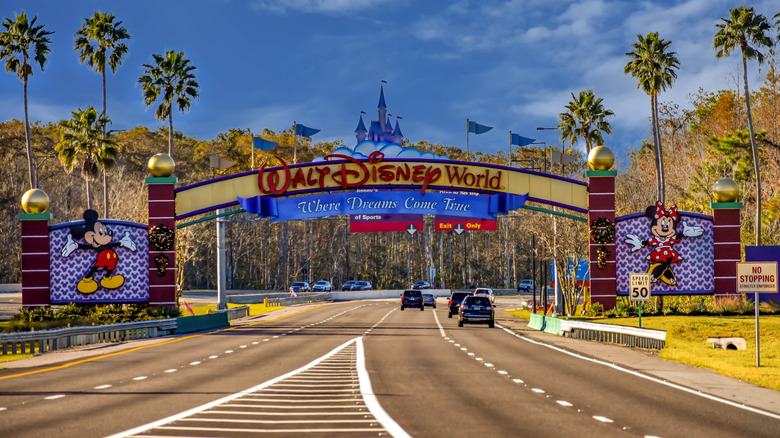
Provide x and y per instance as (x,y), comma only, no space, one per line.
(518,140)
(476,128)
(292,292)
(263,144)
(220,163)
(189,309)
(384,81)
(362,112)
(305,131)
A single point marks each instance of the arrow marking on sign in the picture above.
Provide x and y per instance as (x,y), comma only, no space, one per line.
(411,229)
(459,229)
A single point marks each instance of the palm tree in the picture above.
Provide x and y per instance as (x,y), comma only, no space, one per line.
(16,43)
(170,78)
(654,67)
(585,118)
(741,29)
(99,42)
(82,141)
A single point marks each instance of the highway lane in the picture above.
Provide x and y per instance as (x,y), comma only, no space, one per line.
(432,381)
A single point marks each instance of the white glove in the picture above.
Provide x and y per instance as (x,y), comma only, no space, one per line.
(635,241)
(126,242)
(69,247)
(692,231)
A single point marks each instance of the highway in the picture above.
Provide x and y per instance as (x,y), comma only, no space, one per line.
(357,369)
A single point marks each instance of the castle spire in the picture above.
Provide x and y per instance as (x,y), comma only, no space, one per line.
(382,108)
(360,131)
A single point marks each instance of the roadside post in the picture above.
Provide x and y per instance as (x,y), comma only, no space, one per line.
(640,291)
(757,277)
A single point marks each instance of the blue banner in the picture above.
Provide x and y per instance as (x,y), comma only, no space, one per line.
(261,143)
(519,140)
(476,128)
(305,131)
(351,203)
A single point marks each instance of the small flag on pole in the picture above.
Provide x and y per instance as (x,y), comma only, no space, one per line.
(384,81)
(292,292)
(305,131)
(189,309)
(519,140)
(362,112)
(263,144)
(476,128)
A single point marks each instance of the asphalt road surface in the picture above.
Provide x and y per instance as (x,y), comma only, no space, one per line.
(357,369)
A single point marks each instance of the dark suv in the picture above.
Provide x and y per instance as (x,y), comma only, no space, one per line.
(476,309)
(412,298)
(455,300)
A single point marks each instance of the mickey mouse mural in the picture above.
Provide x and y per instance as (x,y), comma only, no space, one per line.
(663,227)
(98,238)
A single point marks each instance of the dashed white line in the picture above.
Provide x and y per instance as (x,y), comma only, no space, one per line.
(517,381)
(266,340)
(54,397)
(139,378)
(502,372)
(255,343)
(602,419)
(242,346)
(464,349)
(3,409)
(488,364)
(213,356)
(564,403)
(172,370)
(102,386)
(197,362)
(479,359)
(470,354)
(537,390)
(228,351)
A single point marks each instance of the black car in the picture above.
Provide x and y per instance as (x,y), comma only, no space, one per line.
(476,309)
(421,285)
(412,298)
(429,300)
(455,300)
(361,285)
(348,285)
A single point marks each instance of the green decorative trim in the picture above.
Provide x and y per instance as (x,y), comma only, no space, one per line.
(34,216)
(161,180)
(725,205)
(209,218)
(557,213)
(590,173)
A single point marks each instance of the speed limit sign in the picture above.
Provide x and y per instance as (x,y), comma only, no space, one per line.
(640,287)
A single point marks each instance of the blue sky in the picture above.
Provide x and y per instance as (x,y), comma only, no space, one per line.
(265,63)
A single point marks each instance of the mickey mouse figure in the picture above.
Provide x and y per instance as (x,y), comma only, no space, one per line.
(98,238)
(663,223)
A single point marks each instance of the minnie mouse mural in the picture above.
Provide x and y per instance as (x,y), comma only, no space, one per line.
(663,223)
(100,239)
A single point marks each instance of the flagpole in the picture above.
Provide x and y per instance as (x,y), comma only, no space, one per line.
(468,151)
(510,158)
(295,142)
(252,145)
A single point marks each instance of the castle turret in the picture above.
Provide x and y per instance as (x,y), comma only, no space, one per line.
(382,108)
(360,131)
(397,137)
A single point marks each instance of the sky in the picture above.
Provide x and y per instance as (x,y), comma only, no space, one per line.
(266,63)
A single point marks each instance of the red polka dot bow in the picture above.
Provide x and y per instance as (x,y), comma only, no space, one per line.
(670,212)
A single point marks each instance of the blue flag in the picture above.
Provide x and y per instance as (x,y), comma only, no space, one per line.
(521,141)
(263,144)
(305,131)
(476,128)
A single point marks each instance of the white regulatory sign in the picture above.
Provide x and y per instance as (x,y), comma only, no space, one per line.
(757,277)
(640,287)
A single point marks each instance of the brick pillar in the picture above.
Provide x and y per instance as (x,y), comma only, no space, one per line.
(162,211)
(35,259)
(601,204)
(726,234)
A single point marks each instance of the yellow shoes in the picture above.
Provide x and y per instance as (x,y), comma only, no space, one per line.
(87,285)
(112,282)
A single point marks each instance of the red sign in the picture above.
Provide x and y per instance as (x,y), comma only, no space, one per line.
(450,223)
(367,223)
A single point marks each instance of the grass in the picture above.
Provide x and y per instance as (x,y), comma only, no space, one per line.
(686,342)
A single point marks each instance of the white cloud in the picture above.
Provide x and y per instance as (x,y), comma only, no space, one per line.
(315,6)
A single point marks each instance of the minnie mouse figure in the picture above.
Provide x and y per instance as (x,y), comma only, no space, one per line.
(663,223)
(98,238)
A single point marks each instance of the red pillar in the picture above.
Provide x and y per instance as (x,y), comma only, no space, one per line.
(162,211)
(726,235)
(601,204)
(35,259)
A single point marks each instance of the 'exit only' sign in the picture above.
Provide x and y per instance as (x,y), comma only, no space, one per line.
(757,277)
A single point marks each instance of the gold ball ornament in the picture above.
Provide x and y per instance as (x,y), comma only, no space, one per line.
(725,190)
(35,201)
(161,165)
(600,158)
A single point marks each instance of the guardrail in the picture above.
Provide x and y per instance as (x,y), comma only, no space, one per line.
(616,334)
(49,340)
(235,313)
(302,298)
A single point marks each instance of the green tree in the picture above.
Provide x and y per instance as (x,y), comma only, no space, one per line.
(171,78)
(82,142)
(654,67)
(21,40)
(741,29)
(585,118)
(99,42)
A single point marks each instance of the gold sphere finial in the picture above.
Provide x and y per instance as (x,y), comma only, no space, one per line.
(725,190)
(35,201)
(600,158)
(161,165)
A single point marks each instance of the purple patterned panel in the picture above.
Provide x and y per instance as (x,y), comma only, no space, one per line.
(694,273)
(133,266)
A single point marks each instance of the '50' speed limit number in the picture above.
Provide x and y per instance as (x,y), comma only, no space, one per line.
(640,287)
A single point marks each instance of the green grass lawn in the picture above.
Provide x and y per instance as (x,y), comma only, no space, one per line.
(686,342)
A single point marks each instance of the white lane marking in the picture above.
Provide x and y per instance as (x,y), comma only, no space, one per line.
(213,356)
(647,377)
(602,419)
(255,343)
(537,390)
(502,372)
(517,381)
(102,386)
(266,340)
(479,359)
(370,398)
(489,365)
(197,362)
(464,349)
(228,351)
(564,403)
(242,346)
(365,389)
(54,397)
(276,336)
(470,354)
(139,378)
(3,409)
(172,370)
(457,345)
